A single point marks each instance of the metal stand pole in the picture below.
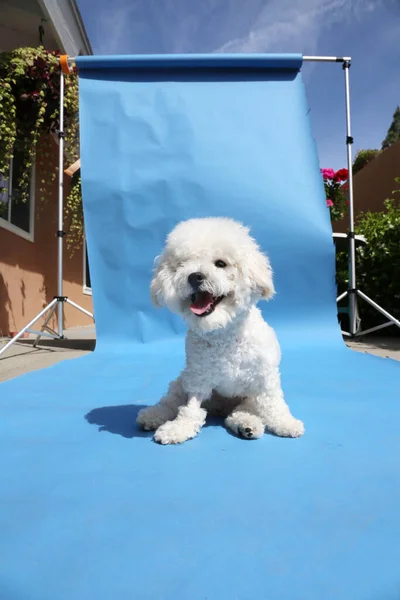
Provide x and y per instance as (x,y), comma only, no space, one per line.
(353,292)
(60,232)
(58,301)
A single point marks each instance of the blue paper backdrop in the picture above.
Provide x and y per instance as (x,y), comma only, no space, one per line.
(91,508)
(226,140)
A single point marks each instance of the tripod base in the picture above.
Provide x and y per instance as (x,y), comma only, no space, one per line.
(45,330)
(354,319)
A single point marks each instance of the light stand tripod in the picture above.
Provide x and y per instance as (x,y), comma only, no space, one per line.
(57,304)
(353,291)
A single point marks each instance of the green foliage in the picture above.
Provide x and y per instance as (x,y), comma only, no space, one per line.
(29,113)
(362,158)
(393,133)
(29,108)
(377,262)
(74,214)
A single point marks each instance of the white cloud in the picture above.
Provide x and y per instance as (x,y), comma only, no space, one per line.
(295,25)
(237,26)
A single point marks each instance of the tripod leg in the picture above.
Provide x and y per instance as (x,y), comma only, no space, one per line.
(379,308)
(339,298)
(353,314)
(86,312)
(27,327)
(44,326)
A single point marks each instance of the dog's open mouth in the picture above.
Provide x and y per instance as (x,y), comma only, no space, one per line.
(204,303)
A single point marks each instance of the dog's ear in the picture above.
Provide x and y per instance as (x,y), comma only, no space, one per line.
(159,281)
(261,275)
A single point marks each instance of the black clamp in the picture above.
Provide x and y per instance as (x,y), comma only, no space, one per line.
(351,235)
(352,291)
(349,139)
(60,233)
(346,64)
(61,298)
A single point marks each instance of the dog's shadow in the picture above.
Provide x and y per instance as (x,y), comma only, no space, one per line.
(121,420)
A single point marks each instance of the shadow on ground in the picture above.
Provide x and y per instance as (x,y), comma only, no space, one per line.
(369,341)
(85,344)
(121,420)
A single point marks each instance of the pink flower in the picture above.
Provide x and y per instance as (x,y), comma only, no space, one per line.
(329,202)
(328,173)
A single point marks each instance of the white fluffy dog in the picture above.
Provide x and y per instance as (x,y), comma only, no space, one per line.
(213,273)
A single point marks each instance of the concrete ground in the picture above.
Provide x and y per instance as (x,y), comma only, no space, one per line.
(22,358)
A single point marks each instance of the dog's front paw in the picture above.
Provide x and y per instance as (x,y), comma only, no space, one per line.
(152,417)
(296,429)
(174,432)
(245,425)
(292,428)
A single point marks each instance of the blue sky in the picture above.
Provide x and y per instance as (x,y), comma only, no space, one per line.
(367,30)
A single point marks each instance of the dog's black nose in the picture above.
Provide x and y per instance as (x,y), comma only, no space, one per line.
(195,279)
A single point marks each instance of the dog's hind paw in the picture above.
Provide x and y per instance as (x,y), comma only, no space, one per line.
(248,433)
(245,425)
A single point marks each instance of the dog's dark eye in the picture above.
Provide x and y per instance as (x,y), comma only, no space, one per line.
(220,264)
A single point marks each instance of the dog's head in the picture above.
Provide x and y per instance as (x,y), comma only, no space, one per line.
(210,272)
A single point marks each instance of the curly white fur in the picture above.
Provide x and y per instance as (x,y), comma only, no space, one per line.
(232,354)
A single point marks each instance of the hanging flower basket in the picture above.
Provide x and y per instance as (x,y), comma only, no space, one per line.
(29,109)
(29,115)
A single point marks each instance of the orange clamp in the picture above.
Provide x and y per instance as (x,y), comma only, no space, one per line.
(64,64)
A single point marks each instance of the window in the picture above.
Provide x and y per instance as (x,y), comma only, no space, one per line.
(87,286)
(16,215)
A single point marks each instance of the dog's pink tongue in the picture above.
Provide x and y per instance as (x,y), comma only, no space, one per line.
(202,303)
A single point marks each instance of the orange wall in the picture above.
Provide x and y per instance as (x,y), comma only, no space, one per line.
(28,270)
(373,184)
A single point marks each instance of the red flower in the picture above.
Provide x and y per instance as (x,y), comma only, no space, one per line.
(342,175)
